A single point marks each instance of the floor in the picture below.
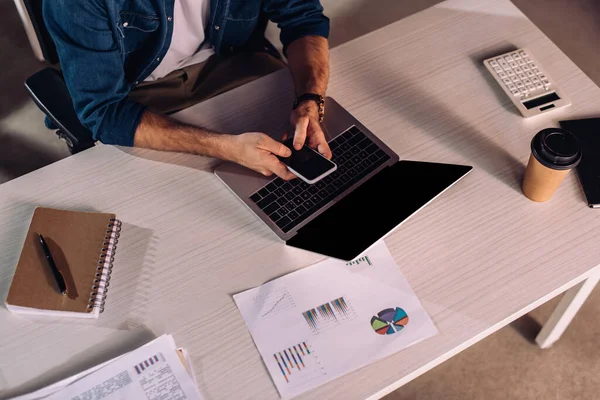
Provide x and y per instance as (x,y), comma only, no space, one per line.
(506,365)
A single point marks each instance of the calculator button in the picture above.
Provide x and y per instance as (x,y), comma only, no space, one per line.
(526,81)
(542,76)
(530,87)
(537,71)
(502,75)
(530,74)
(523,54)
(532,65)
(521,62)
(515,92)
(498,69)
(546,82)
(511,87)
(513,64)
(529,60)
(539,85)
(524,90)
(507,81)
(516,56)
(494,63)
(522,76)
(520,85)
(535,79)
(509,59)
(510,73)
(525,68)
(518,70)
(515,78)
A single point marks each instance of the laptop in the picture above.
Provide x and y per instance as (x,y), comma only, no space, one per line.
(370,194)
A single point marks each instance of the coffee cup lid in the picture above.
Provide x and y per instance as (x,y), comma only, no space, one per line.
(556,148)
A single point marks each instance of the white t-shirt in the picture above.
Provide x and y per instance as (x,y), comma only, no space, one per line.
(188,46)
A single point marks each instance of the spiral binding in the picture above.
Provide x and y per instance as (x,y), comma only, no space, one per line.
(105,265)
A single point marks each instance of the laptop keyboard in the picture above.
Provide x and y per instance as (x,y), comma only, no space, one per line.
(289,203)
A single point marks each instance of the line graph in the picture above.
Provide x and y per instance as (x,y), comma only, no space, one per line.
(273,302)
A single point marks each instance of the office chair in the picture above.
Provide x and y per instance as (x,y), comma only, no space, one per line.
(49,91)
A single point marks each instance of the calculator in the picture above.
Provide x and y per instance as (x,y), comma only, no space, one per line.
(526,83)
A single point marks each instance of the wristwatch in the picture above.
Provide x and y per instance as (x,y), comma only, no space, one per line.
(312,96)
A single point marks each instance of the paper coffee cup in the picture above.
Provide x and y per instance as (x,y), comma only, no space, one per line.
(554,152)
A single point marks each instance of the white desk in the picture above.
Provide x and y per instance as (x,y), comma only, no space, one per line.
(478,258)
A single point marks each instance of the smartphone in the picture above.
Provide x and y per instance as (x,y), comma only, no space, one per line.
(307,164)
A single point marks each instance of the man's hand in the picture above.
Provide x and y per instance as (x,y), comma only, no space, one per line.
(305,120)
(258,151)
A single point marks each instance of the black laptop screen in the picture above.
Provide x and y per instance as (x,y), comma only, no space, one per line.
(375,208)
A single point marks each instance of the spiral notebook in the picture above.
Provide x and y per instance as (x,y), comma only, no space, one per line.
(83,246)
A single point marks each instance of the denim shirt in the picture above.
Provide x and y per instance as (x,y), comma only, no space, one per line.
(107,47)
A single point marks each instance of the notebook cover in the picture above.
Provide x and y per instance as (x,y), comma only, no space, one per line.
(75,240)
(588,170)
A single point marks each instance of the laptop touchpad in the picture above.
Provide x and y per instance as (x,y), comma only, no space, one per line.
(375,208)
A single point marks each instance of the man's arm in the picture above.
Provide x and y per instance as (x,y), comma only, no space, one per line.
(308,59)
(254,150)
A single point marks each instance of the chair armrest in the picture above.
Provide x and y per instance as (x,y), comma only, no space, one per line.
(49,91)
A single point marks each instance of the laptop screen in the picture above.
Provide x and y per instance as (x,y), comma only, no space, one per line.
(376,207)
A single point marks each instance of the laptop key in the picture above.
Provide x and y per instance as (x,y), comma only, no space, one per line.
(271,208)
(255,197)
(305,195)
(364,144)
(372,148)
(347,135)
(345,178)
(300,210)
(297,190)
(354,130)
(304,185)
(373,158)
(359,168)
(313,190)
(349,164)
(278,182)
(295,182)
(298,200)
(335,174)
(338,183)
(266,201)
(356,160)
(275,216)
(283,222)
(290,206)
(271,186)
(356,139)
(263,192)
(308,204)
(345,147)
(290,195)
(327,180)
(323,194)
(282,201)
(287,186)
(380,153)
(293,215)
(320,185)
(352,173)
(316,199)
(355,150)
(279,192)
(333,145)
(282,211)
(341,159)
(363,154)
(365,163)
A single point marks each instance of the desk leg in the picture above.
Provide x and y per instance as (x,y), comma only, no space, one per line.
(565,311)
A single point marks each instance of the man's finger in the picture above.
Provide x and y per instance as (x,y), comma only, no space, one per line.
(300,132)
(280,170)
(275,147)
(318,142)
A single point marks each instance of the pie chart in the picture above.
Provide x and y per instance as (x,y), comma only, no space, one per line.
(389,321)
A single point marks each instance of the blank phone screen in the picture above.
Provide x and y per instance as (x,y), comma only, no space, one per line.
(306,161)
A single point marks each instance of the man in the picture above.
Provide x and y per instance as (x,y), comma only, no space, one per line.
(128,63)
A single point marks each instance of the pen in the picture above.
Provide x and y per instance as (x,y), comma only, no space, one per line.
(60,280)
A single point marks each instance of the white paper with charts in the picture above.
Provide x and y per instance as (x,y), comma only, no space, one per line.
(324,321)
